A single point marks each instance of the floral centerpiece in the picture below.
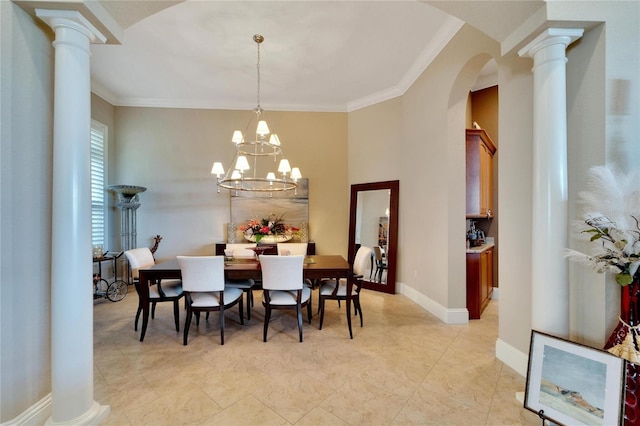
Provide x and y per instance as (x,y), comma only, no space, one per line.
(268,229)
(611,226)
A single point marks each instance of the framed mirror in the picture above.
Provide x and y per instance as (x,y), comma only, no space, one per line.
(373,222)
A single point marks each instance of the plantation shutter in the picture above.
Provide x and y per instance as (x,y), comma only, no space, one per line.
(98,178)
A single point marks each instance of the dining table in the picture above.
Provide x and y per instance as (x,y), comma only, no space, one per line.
(315,268)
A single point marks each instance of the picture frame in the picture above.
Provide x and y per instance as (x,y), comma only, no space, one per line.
(291,206)
(573,384)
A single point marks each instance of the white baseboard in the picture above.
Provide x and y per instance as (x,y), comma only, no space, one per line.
(37,414)
(40,414)
(446,315)
(512,357)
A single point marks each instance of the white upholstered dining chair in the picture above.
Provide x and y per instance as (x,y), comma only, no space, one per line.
(380,261)
(242,251)
(330,290)
(169,290)
(204,286)
(295,249)
(283,287)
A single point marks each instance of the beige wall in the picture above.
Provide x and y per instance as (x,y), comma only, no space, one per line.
(170,152)
(376,143)
(26,121)
(433,193)
(514,195)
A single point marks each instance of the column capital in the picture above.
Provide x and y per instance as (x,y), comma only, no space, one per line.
(71,19)
(549,37)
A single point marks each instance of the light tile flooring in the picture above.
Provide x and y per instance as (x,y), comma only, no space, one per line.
(404,367)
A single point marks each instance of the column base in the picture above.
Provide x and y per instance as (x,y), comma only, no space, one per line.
(96,415)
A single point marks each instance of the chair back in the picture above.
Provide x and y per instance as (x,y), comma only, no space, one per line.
(139,258)
(361,264)
(202,273)
(292,249)
(282,272)
(377,252)
(241,250)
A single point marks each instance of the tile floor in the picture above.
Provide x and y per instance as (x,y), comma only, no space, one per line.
(403,367)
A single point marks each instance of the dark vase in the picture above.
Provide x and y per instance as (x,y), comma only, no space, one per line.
(629,314)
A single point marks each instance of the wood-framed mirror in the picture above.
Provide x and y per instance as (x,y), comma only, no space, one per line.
(373,221)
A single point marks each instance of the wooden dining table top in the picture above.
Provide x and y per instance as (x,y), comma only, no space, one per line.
(316,266)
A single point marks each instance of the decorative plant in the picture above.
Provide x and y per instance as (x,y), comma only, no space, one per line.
(270,225)
(612,214)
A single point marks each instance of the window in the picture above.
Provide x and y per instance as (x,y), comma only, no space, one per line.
(98,183)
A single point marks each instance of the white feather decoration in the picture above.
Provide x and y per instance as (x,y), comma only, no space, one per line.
(611,222)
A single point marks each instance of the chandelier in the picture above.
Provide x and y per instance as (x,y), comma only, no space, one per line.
(257,151)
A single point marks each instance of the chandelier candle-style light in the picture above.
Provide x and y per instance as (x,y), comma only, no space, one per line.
(257,154)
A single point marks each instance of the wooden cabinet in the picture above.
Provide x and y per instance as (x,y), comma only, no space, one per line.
(479,154)
(479,281)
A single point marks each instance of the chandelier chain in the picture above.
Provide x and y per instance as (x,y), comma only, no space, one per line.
(258,41)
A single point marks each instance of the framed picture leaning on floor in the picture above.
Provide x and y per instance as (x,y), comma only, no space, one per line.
(569,383)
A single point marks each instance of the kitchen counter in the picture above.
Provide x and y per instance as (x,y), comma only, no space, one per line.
(480,249)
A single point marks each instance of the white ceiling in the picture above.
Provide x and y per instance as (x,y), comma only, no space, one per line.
(317,55)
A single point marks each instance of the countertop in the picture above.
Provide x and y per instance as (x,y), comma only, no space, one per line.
(480,249)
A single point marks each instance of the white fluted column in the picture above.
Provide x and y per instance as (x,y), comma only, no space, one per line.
(71,264)
(550,279)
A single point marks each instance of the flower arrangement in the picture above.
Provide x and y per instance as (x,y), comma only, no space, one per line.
(612,219)
(257,229)
(611,215)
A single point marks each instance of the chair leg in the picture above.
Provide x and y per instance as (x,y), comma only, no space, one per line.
(309,311)
(153,310)
(321,307)
(299,314)
(176,314)
(358,309)
(267,316)
(349,320)
(187,323)
(221,324)
(197,319)
(240,304)
(249,303)
(135,324)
